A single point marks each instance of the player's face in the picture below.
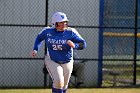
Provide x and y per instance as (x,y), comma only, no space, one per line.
(61,26)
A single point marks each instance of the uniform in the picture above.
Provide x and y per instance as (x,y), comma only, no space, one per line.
(59,59)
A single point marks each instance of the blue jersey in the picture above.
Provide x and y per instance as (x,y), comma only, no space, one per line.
(56,41)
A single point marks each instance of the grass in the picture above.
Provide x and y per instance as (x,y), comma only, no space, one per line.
(85,90)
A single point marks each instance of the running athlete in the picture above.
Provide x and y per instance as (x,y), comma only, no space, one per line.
(60,40)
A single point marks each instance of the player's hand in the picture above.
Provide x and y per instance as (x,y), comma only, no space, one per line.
(71,44)
(33,53)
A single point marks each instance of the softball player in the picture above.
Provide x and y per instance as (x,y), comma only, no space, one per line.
(60,40)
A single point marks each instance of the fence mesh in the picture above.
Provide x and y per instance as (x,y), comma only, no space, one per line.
(22,20)
(119,42)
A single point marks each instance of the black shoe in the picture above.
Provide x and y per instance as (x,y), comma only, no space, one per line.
(78,84)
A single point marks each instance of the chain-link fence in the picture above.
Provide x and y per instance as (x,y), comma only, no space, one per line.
(121,43)
(22,20)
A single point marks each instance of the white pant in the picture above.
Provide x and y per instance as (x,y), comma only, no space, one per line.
(60,73)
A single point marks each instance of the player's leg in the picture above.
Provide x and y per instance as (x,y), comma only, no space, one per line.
(56,73)
(67,70)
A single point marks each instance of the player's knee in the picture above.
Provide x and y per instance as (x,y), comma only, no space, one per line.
(58,85)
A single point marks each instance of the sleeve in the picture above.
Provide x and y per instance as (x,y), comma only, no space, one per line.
(38,41)
(79,42)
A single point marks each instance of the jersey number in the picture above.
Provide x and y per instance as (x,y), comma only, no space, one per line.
(57,47)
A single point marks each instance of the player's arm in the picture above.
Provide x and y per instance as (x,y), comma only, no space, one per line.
(79,42)
(38,41)
(80,45)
